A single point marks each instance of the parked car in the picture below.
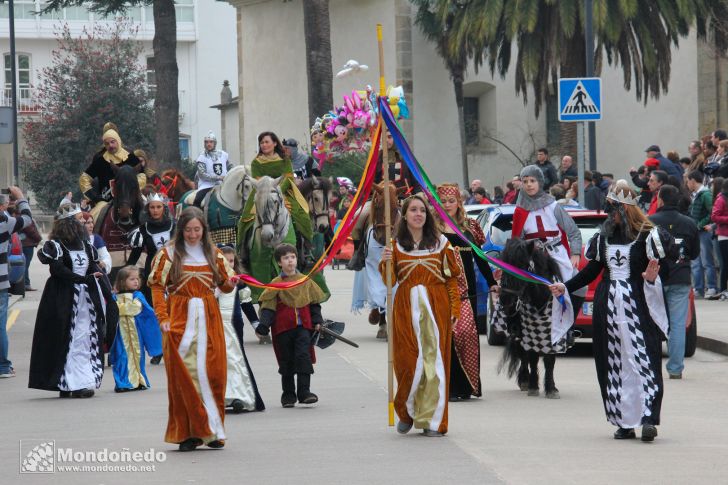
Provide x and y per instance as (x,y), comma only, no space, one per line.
(496,222)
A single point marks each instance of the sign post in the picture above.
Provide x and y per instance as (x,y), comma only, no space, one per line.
(580,101)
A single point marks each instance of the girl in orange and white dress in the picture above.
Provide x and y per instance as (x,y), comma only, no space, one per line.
(426,306)
(184,276)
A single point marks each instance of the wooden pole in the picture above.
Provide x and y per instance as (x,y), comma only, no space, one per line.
(387,230)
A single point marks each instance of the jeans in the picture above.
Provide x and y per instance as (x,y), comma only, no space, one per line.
(28,251)
(703,267)
(5,364)
(677,298)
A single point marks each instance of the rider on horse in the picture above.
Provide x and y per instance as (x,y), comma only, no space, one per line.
(212,167)
(103,168)
(273,162)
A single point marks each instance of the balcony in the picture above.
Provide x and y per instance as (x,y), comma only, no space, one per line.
(27,103)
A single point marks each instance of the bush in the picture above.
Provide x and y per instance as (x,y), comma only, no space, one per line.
(92,79)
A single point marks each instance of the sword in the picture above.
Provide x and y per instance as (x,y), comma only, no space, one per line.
(338,337)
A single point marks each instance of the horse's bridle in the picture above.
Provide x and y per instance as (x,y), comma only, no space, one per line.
(325,210)
(265,219)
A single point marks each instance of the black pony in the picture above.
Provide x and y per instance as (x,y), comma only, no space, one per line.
(524,314)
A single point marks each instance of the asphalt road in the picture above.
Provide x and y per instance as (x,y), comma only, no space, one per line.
(504,437)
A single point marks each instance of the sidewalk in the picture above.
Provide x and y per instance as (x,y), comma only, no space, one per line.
(712,325)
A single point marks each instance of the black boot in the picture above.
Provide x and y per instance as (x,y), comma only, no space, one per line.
(624,434)
(305,396)
(288,398)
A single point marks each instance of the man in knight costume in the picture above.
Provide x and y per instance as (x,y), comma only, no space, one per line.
(103,167)
(539,216)
(212,167)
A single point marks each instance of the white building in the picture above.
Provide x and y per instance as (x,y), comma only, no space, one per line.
(206,55)
(273,93)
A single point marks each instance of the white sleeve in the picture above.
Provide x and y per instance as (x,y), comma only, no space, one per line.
(655,299)
(105,257)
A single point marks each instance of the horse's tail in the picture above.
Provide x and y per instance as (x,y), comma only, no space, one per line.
(513,353)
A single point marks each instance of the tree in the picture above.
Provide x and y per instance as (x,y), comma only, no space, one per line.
(92,80)
(436,22)
(317,33)
(166,100)
(637,35)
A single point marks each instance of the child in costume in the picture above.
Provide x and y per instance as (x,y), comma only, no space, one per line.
(138,330)
(292,315)
(241,393)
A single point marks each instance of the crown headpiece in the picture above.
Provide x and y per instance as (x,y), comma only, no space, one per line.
(68,210)
(623,197)
(156,197)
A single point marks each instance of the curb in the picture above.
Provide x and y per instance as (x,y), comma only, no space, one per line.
(713,345)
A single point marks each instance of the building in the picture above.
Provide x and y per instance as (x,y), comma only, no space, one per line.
(206,54)
(501,130)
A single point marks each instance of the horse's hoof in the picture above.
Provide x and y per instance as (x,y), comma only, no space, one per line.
(382,334)
(523,386)
(533,392)
(374,316)
(553,394)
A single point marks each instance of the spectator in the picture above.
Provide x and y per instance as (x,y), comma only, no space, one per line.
(557,192)
(715,138)
(639,179)
(697,160)
(715,185)
(684,201)
(8,226)
(719,215)
(474,184)
(657,179)
(547,168)
(708,152)
(67,198)
(653,151)
(345,204)
(685,164)
(511,194)
(593,197)
(30,238)
(675,274)
(567,168)
(567,182)
(572,195)
(498,194)
(480,196)
(673,156)
(701,205)
(722,160)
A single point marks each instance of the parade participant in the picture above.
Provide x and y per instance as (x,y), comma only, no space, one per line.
(241,393)
(399,174)
(291,316)
(113,154)
(539,216)
(629,319)
(154,232)
(76,314)
(273,162)
(184,276)
(465,358)
(151,176)
(136,321)
(304,166)
(212,166)
(426,305)
(97,242)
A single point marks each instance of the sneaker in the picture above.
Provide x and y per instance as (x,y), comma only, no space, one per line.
(714,296)
(723,296)
(709,292)
(7,375)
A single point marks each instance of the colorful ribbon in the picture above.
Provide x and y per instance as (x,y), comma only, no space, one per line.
(345,226)
(431,192)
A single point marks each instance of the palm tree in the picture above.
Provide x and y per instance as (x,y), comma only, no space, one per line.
(317,33)
(166,100)
(637,35)
(436,20)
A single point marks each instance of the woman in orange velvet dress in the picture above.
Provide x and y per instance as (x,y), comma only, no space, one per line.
(426,306)
(184,276)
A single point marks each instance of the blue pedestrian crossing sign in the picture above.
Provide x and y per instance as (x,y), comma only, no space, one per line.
(580,99)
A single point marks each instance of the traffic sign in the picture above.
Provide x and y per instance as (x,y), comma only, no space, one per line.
(580,99)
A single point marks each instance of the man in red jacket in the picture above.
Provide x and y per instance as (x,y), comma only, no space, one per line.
(657,179)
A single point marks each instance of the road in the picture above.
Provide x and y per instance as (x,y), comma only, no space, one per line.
(505,437)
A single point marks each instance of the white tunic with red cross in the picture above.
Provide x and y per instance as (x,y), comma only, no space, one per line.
(541,224)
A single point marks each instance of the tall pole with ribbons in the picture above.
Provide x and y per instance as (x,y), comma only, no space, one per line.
(387,230)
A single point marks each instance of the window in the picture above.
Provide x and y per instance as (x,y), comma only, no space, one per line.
(184,148)
(471,112)
(76,13)
(24,10)
(185,10)
(553,125)
(151,77)
(22,68)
